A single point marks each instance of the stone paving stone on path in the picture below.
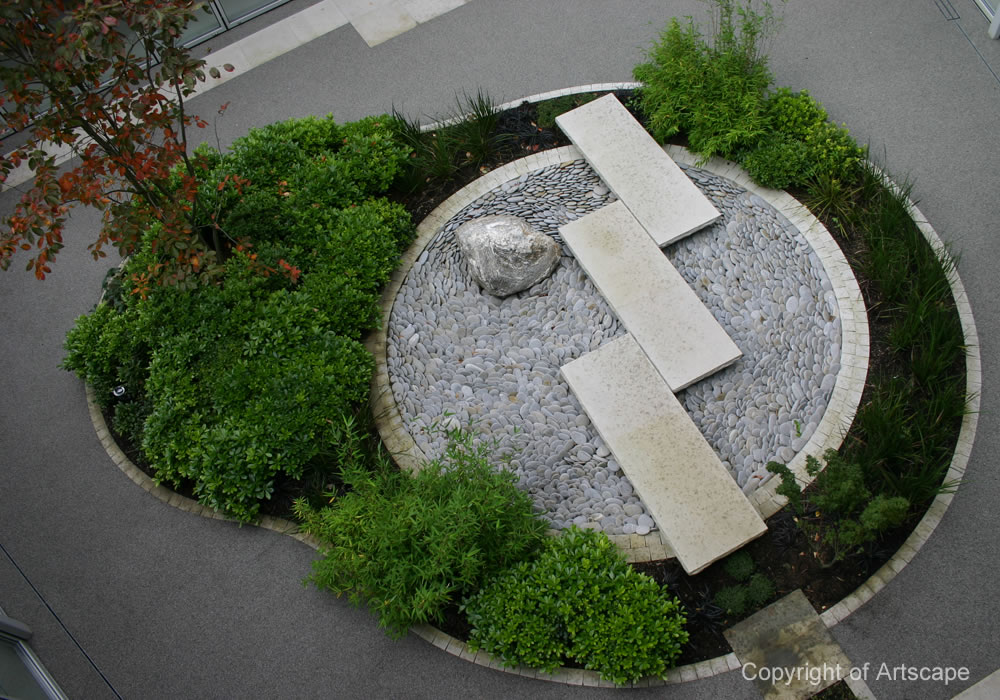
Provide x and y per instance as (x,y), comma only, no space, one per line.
(788,637)
(647,180)
(694,500)
(675,329)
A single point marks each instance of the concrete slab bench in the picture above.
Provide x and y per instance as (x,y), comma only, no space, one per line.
(694,500)
(664,200)
(679,334)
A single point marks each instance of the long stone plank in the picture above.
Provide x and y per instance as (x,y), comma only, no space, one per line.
(699,508)
(664,200)
(683,340)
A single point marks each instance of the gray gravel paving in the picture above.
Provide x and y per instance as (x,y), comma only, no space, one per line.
(458,356)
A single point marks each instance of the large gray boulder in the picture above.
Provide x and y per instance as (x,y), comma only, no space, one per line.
(505,254)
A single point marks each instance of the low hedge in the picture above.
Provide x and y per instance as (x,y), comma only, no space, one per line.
(579,600)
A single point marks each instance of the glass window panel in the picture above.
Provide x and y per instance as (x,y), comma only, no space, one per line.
(237,10)
(16,680)
(204,24)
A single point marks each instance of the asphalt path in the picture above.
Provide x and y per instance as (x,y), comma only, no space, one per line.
(131,598)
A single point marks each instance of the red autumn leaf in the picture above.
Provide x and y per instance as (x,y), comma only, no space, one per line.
(124,167)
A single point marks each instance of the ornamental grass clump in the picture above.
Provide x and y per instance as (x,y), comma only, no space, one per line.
(711,90)
(408,546)
(579,600)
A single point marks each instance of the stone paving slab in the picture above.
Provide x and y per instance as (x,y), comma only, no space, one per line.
(664,200)
(986,689)
(679,334)
(695,502)
(791,637)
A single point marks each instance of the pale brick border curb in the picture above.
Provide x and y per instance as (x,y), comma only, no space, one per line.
(963,447)
(846,393)
(147,484)
(643,548)
(836,421)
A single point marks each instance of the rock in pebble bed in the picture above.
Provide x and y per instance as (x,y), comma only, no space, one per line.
(457,356)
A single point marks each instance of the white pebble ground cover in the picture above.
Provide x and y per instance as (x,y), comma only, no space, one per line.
(457,356)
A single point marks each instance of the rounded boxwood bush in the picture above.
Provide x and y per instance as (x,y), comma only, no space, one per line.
(579,600)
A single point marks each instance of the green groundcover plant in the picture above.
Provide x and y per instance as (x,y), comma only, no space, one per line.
(409,546)
(711,90)
(579,600)
(714,91)
(241,374)
(853,515)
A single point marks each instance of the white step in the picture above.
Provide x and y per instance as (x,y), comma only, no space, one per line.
(664,200)
(677,331)
(697,505)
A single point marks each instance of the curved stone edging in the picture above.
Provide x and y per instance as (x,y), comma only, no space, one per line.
(963,446)
(171,498)
(644,545)
(848,387)
(845,396)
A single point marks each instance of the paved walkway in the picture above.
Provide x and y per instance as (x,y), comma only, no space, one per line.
(131,598)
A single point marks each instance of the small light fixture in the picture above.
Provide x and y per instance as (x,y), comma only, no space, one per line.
(119,391)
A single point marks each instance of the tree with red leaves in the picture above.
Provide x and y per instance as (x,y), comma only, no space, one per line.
(108,80)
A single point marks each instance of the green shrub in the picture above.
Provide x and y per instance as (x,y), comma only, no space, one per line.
(756,590)
(712,91)
(759,590)
(351,255)
(263,158)
(739,566)
(794,115)
(884,513)
(129,419)
(298,166)
(579,600)
(268,154)
(370,154)
(732,599)
(832,150)
(778,162)
(840,512)
(238,379)
(104,350)
(801,144)
(245,386)
(840,487)
(314,135)
(408,546)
